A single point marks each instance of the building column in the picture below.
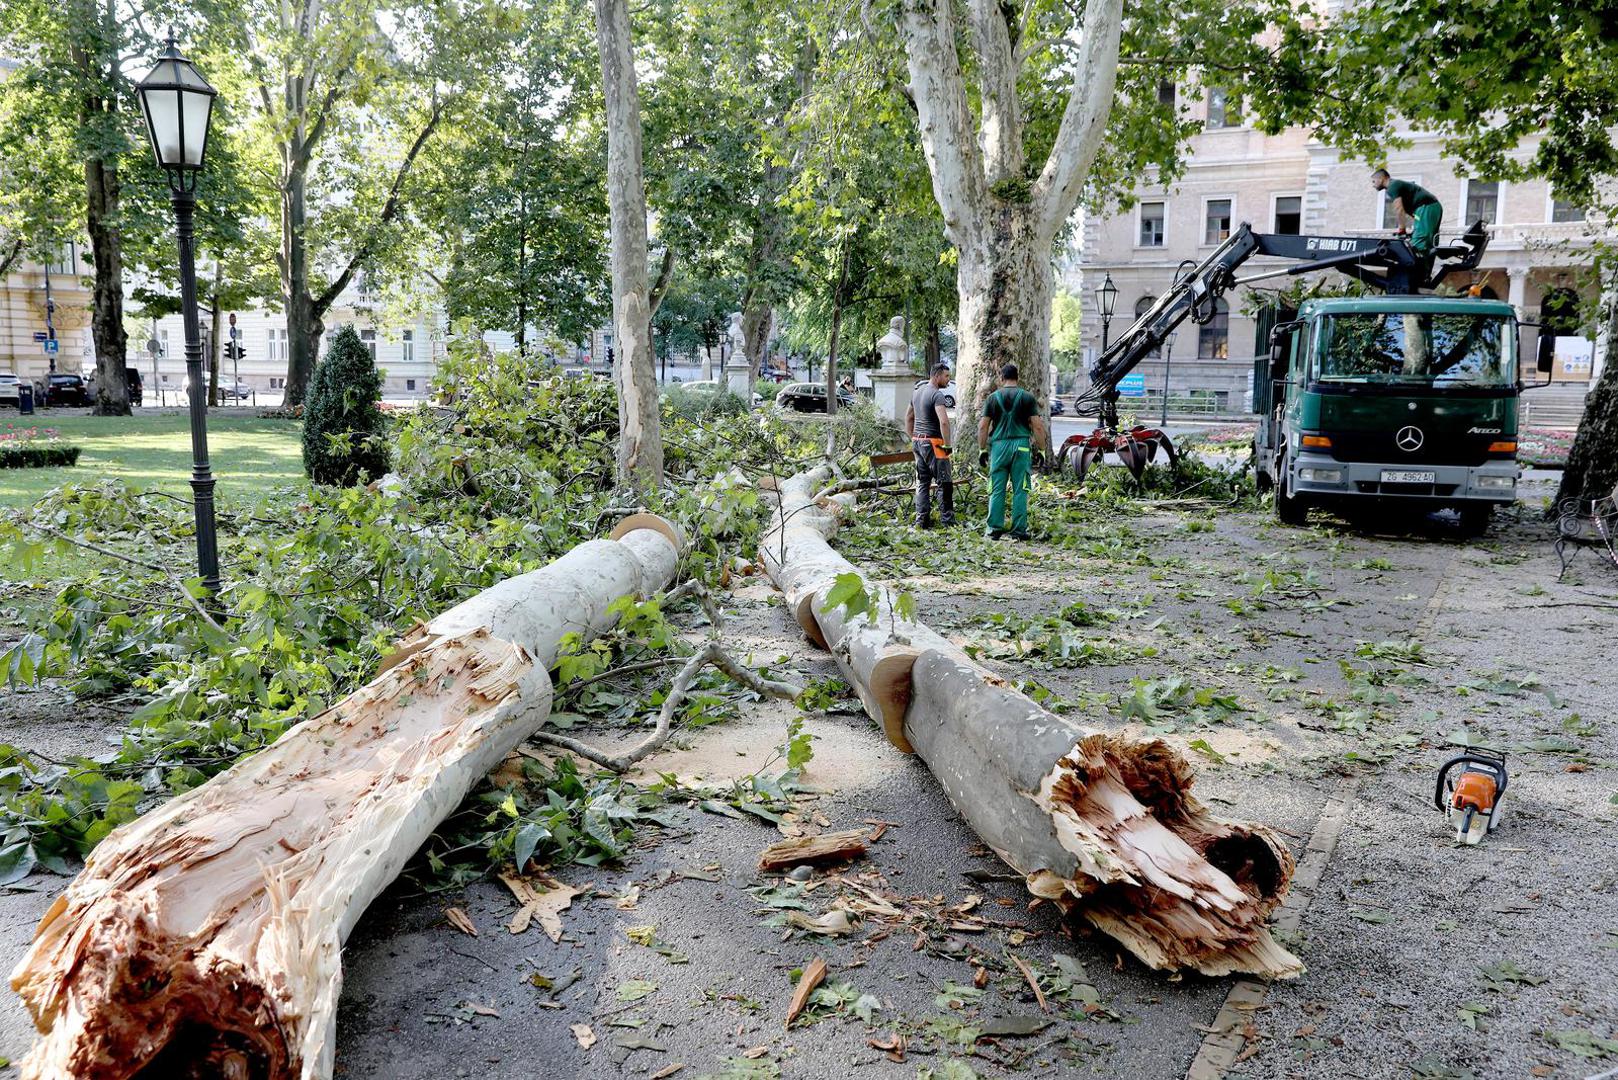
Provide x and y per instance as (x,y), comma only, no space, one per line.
(1518,289)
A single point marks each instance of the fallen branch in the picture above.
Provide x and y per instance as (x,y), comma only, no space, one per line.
(1102,825)
(205,938)
(711,653)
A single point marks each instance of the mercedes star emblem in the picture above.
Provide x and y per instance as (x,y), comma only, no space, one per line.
(1409,438)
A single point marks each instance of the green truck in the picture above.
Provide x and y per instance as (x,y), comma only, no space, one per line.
(1406,399)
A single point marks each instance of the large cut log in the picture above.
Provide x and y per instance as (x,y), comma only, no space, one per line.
(1103,825)
(205,938)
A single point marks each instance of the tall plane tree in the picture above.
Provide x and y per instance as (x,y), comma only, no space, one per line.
(1001,214)
(640,436)
(352,93)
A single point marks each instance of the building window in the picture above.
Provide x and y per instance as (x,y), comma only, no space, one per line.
(1562,210)
(65,259)
(277,384)
(410,384)
(276,349)
(1289,214)
(368,339)
(1224,108)
(407,351)
(1151,224)
(1165,92)
(1216,221)
(1213,336)
(1142,306)
(1482,202)
(162,343)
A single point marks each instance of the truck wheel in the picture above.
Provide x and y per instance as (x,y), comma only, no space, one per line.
(1289,508)
(1475,518)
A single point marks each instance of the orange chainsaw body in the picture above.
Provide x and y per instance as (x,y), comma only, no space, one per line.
(1475,790)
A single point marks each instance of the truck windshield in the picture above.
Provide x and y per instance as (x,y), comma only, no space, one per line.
(1399,348)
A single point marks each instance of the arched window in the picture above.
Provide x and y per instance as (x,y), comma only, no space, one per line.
(1142,306)
(1213,336)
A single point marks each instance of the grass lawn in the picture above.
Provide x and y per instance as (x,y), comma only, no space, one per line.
(248,454)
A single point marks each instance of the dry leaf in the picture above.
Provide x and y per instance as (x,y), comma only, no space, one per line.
(460,920)
(629,899)
(812,977)
(834,923)
(483,1010)
(586,1037)
(542,897)
(893,1045)
(667,1071)
(755,1052)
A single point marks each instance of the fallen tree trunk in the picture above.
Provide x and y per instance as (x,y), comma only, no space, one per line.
(205,938)
(1102,825)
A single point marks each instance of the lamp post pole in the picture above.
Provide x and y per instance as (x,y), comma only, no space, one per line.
(178,104)
(202,481)
(1168,356)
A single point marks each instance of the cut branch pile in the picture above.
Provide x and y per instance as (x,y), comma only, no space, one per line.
(205,938)
(1102,825)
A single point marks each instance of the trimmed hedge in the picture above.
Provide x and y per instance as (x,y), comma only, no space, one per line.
(344,434)
(37,455)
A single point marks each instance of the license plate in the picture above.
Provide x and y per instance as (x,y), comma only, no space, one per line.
(1408,476)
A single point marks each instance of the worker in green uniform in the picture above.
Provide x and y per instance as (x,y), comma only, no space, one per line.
(1010,422)
(1420,212)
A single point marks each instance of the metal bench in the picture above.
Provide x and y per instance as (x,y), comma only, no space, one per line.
(1582,523)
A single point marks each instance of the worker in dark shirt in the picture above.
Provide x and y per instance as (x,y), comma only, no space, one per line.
(1010,423)
(927,424)
(1420,212)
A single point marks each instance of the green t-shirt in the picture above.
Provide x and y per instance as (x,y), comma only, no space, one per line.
(1410,195)
(1010,410)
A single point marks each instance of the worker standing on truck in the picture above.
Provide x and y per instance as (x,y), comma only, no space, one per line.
(927,424)
(1420,212)
(1010,422)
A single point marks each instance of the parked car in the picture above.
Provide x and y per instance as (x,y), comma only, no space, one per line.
(949,392)
(1057,408)
(65,388)
(9,384)
(132,380)
(810,398)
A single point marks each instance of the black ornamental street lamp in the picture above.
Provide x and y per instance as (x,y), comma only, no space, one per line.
(1106,300)
(178,103)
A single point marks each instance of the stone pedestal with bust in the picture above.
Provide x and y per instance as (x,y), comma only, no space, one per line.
(893,381)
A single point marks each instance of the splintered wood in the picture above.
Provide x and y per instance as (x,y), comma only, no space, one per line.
(1101,825)
(812,850)
(205,939)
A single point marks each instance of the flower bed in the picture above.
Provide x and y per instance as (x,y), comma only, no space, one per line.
(1544,446)
(34,448)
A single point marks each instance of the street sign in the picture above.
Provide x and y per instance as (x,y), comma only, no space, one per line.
(40,335)
(51,346)
(1132,385)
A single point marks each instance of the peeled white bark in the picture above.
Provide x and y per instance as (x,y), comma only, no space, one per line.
(205,938)
(1102,825)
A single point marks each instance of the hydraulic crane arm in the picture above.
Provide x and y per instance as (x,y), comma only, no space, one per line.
(1386,264)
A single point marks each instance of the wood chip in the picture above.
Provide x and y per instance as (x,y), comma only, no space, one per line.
(461,921)
(483,1010)
(813,975)
(586,1037)
(1033,983)
(827,847)
(892,1044)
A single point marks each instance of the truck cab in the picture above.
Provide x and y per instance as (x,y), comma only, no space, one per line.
(1406,400)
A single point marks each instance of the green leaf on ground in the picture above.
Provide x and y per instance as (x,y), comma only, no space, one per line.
(635,989)
(1582,1043)
(1502,973)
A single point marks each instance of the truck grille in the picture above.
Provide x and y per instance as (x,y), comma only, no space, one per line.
(1439,449)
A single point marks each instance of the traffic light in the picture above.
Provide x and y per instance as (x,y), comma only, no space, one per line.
(609,356)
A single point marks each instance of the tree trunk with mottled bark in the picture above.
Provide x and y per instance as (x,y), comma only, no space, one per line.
(1592,462)
(1003,224)
(640,437)
(107,304)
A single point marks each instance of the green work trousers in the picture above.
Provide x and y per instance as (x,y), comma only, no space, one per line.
(1010,462)
(1424,234)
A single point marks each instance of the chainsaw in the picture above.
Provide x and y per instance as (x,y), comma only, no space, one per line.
(1472,798)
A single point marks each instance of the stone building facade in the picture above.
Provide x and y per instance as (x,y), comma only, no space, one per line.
(1291,182)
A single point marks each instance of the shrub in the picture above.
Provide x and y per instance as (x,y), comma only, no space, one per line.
(343,428)
(37,455)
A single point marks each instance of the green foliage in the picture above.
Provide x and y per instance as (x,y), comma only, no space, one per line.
(344,433)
